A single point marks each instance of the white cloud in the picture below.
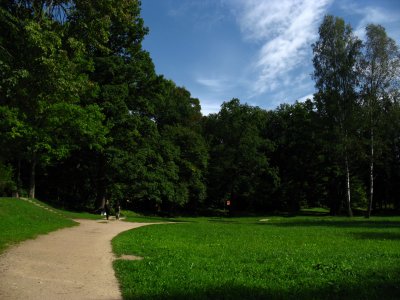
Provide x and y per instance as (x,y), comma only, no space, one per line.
(306,97)
(284,29)
(375,15)
(221,88)
(212,90)
(209,107)
(213,84)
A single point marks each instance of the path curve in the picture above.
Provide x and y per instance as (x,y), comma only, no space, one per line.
(71,263)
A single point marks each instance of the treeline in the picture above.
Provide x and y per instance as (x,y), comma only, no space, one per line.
(84,117)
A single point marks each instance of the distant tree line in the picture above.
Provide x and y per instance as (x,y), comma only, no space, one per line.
(84,118)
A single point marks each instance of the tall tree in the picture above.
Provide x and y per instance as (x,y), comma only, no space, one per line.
(112,32)
(191,157)
(381,71)
(294,131)
(174,105)
(239,168)
(336,55)
(43,82)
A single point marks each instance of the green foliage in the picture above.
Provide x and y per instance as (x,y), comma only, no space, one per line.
(380,80)
(12,127)
(337,55)
(84,117)
(176,106)
(107,27)
(359,193)
(45,87)
(273,258)
(294,129)
(239,167)
(190,156)
(7,184)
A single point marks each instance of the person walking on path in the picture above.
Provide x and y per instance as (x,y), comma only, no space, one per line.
(117,210)
(107,209)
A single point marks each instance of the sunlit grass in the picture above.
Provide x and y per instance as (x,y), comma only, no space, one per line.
(20,220)
(276,258)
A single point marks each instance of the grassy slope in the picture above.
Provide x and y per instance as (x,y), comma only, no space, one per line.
(301,257)
(20,220)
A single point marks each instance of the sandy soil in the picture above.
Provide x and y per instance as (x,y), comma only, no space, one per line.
(71,263)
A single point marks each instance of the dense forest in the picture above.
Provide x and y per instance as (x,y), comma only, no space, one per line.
(84,117)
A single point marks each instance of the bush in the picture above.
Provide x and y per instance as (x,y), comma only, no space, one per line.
(7,184)
(358,193)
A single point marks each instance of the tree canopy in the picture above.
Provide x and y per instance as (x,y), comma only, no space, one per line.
(85,117)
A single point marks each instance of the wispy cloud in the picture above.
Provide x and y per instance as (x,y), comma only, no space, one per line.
(306,97)
(209,107)
(390,19)
(202,13)
(217,88)
(284,29)
(213,84)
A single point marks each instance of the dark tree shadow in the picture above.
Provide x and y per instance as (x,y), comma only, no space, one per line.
(335,223)
(391,236)
(370,289)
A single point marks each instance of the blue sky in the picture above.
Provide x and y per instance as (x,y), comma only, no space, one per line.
(256,50)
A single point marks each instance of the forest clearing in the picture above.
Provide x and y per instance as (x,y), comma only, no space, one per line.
(275,257)
(290,192)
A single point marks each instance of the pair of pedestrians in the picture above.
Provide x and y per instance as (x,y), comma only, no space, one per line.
(107,210)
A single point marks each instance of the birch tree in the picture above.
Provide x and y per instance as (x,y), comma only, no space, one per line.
(336,55)
(381,71)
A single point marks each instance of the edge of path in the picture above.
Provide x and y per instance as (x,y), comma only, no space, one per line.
(81,256)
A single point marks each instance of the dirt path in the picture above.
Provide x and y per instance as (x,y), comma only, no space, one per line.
(71,263)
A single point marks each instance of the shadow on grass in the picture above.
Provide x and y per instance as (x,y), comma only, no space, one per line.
(391,236)
(371,290)
(145,219)
(223,220)
(306,213)
(335,223)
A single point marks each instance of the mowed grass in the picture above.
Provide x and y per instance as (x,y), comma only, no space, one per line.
(277,258)
(20,220)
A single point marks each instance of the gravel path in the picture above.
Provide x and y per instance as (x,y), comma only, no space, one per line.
(71,263)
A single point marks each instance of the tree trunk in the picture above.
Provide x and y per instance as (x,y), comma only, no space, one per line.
(19,178)
(371,176)
(32,181)
(101,189)
(349,211)
(16,193)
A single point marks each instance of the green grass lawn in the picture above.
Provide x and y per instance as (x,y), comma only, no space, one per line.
(278,258)
(20,220)
(303,257)
(79,215)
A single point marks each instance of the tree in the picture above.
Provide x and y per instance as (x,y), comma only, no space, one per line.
(174,105)
(112,33)
(12,130)
(381,71)
(336,58)
(191,159)
(298,155)
(7,184)
(42,83)
(239,167)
